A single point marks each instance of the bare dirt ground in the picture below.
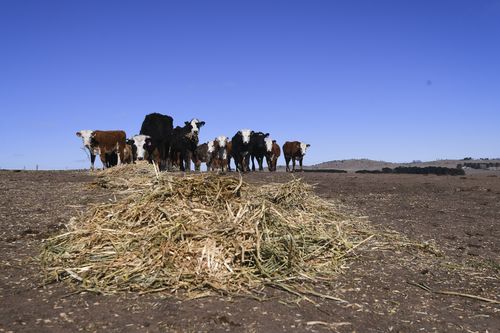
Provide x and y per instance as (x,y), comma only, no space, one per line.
(461,215)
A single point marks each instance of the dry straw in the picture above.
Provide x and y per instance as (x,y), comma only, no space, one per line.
(203,233)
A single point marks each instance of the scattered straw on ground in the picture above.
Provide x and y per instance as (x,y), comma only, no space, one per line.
(201,233)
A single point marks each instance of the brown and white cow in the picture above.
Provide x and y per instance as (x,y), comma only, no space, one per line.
(294,150)
(220,154)
(104,143)
(203,154)
(128,158)
(273,152)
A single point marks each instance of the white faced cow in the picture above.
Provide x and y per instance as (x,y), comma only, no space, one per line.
(220,154)
(140,144)
(294,150)
(104,143)
(240,145)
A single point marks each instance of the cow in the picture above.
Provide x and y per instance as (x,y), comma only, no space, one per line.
(159,129)
(294,150)
(105,144)
(203,154)
(128,158)
(86,138)
(220,156)
(258,148)
(184,142)
(240,144)
(273,152)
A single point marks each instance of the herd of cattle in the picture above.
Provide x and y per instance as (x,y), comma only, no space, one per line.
(171,147)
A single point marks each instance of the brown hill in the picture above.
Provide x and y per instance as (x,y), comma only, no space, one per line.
(366,164)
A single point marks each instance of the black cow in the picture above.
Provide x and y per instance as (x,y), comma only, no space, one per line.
(159,128)
(240,145)
(184,143)
(258,148)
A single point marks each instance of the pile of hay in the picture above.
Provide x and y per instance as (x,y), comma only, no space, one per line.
(205,232)
(126,176)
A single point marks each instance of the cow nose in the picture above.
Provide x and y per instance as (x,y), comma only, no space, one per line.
(140,158)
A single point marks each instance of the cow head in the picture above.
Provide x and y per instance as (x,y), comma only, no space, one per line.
(87,136)
(303,148)
(269,144)
(195,125)
(222,140)
(245,135)
(142,144)
(211,146)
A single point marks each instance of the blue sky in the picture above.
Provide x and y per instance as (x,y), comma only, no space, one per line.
(386,80)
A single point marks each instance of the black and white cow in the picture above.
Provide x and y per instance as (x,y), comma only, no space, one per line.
(159,128)
(184,142)
(258,148)
(240,145)
(142,147)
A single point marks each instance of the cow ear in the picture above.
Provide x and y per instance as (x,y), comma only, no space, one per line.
(239,133)
(78,134)
(266,135)
(274,141)
(187,123)
(201,123)
(130,141)
(252,132)
(308,145)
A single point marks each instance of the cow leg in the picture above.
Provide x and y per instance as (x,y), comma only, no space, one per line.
(229,163)
(92,160)
(187,160)
(237,163)
(247,163)
(268,161)
(300,162)
(103,160)
(181,161)
(121,155)
(242,164)
(293,164)
(253,163)
(287,160)
(261,161)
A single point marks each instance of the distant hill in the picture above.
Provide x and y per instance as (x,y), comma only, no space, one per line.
(367,164)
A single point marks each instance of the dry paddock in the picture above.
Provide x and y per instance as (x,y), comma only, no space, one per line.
(460,215)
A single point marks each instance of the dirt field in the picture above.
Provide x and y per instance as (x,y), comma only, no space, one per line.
(461,215)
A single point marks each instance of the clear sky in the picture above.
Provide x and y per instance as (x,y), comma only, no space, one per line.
(386,80)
